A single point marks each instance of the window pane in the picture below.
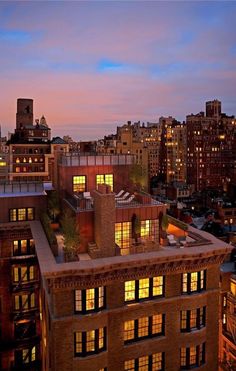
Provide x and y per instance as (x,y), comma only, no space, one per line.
(21,214)
(78,300)
(143,327)
(183,353)
(12,215)
(90,299)
(157,362)
(194,280)
(130,365)
(78,342)
(101,297)
(90,341)
(157,285)
(143,363)
(185,282)
(193,356)
(183,319)
(79,183)
(143,288)
(30,212)
(128,330)
(129,290)
(157,324)
(101,338)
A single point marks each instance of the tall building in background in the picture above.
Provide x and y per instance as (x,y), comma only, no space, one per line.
(172,157)
(211,148)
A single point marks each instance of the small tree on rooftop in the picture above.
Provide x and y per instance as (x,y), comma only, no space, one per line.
(71,234)
(54,205)
(139,177)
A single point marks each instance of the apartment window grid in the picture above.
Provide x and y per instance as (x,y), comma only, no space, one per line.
(193,319)
(21,214)
(153,362)
(105,179)
(79,183)
(24,273)
(90,300)
(193,282)
(123,235)
(144,327)
(24,301)
(23,247)
(144,289)
(90,342)
(192,357)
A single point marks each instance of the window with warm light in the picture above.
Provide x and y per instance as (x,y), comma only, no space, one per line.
(193,282)
(123,235)
(79,183)
(90,300)
(105,179)
(24,301)
(144,327)
(23,247)
(144,289)
(26,356)
(21,214)
(149,229)
(193,319)
(23,274)
(192,356)
(90,342)
(153,362)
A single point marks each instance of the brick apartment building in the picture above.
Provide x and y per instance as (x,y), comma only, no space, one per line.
(211,148)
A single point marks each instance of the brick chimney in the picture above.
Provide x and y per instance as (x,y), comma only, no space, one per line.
(104,220)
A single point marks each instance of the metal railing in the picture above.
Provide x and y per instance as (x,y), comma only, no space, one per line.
(21,187)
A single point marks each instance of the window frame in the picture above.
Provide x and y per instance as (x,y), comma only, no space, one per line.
(135,362)
(17,249)
(84,188)
(201,282)
(200,319)
(83,300)
(186,359)
(83,343)
(149,327)
(15,212)
(151,289)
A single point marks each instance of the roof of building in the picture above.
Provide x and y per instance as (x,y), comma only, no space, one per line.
(58,140)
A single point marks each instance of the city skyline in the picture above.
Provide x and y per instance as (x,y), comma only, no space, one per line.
(90,66)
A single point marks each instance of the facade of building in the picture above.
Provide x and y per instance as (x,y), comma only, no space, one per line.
(20,331)
(211,148)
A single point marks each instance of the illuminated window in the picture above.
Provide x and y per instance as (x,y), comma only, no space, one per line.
(149,229)
(24,301)
(144,327)
(3,163)
(26,356)
(89,342)
(79,183)
(192,356)
(23,274)
(123,235)
(21,214)
(193,282)
(23,247)
(143,289)
(90,300)
(193,319)
(153,362)
(105,179)
(17,160)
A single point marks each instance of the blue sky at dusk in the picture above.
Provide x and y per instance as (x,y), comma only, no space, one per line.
(90,66)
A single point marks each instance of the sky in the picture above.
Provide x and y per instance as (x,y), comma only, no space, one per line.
(93,65)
